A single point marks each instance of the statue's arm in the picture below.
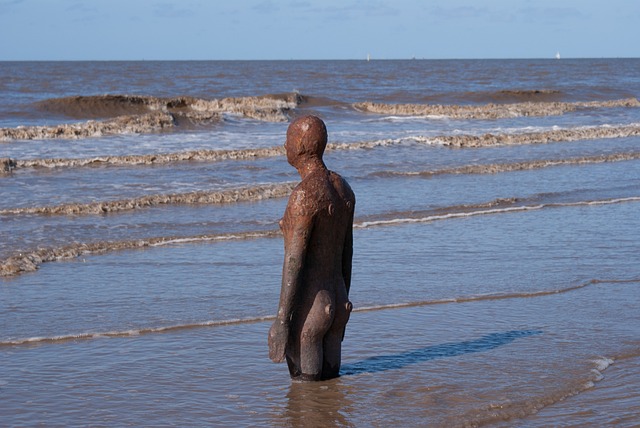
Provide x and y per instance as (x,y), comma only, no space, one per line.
(293,267)
(297,230)
(347,251)
(347,256)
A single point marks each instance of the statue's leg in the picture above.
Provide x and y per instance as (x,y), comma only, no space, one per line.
(315,327)
(333,340)
(293,363)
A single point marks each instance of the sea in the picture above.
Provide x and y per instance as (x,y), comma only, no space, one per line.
(496,269)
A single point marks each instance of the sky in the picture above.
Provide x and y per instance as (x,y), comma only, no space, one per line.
(316,29)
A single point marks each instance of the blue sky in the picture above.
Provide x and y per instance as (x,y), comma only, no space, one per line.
(316,29)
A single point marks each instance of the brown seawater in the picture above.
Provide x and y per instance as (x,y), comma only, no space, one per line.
(496,258)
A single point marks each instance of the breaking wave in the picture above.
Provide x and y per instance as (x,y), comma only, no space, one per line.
(140,114)
(282,190)
(7,164)
(528,93)
(490,111)
(517,166)
(132,124)
(499,206)
(245,194)
(497,296)
(497,96)
(600,364)
(507,410)
(543,137)
(133,332)
(454,141)
(29,261)
(267,107)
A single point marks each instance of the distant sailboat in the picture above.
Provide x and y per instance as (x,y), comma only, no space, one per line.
(557,55)
(368,57)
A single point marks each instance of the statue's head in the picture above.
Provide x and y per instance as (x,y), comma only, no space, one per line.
(306,139)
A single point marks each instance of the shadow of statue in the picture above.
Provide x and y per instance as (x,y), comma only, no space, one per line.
(397,361)
(328,403)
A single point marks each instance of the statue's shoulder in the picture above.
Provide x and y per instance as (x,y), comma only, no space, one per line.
(302,202)
(342,187)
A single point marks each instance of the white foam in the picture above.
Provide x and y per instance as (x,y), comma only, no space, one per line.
(602,363)
(423,139)
(446,216)
(449,216)
(133,332)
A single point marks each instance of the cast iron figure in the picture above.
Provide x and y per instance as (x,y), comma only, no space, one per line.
(318,247)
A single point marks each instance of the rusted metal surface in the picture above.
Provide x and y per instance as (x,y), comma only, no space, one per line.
(316,276)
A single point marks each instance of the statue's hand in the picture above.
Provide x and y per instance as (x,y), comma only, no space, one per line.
(278,335)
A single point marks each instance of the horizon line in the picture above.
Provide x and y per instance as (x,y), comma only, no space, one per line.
(320,59)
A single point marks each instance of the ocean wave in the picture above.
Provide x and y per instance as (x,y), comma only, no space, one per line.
(589,374)
(600,364)
(7,164)
(507,410)
(29,261)
(529,92)
(502,206)
(244,194)
(267,107)
(497,296)
(447,216)
(102,106)
(141,114)
(282,190)
(490,111)
(510,167)
(542,137)
(516,95)
(132,332)
(132,124)
(498,96)
(454,141)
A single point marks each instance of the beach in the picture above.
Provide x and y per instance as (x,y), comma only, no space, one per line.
(496,242)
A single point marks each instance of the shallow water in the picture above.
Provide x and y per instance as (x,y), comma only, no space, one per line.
(493,285)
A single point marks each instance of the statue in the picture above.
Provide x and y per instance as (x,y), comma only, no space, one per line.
(318,247)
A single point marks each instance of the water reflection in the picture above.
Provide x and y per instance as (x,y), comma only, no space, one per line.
(397,361)
(317,404)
